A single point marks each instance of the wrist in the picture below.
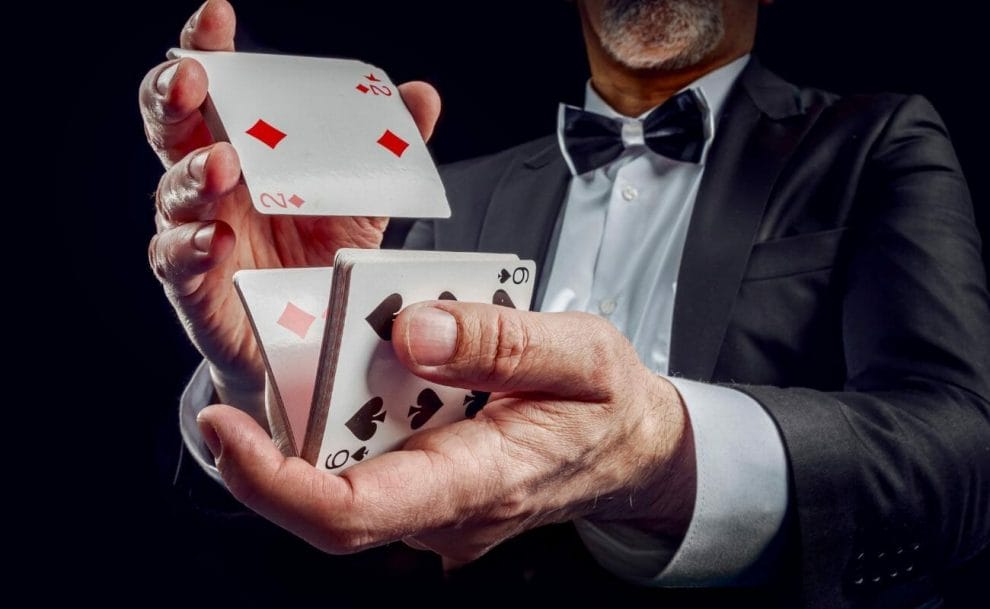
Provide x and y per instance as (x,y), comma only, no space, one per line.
(670,484)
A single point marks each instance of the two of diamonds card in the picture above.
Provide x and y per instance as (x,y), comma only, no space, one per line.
(326,341)
(320,137)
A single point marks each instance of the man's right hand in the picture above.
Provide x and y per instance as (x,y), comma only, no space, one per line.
(207,228)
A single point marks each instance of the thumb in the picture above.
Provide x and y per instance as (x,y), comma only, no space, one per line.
(423,102)
(493,348)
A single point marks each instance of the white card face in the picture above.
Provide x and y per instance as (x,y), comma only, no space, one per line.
(375,404)
(288,310)
(320,137)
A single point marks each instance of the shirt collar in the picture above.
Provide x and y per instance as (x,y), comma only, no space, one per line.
(713,86)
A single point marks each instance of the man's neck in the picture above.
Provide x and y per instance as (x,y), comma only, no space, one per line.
(632,91)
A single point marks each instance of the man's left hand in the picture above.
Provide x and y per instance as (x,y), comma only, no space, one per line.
(576,427)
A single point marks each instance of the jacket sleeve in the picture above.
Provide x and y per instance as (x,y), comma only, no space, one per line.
(891,476)
(420,236)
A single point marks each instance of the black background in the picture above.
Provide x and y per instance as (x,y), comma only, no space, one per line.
(501,67)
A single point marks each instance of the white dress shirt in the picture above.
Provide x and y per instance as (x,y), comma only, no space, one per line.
(617,255)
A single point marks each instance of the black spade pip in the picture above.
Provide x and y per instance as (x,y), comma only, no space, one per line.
(384,314)
(362,423)
(501,297)
(428,403)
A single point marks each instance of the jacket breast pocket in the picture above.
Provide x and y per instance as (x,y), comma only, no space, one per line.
(785,327)
(794,255)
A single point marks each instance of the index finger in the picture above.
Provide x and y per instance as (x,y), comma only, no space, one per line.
(171,94)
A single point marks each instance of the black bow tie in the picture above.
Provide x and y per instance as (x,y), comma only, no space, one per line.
(675,129)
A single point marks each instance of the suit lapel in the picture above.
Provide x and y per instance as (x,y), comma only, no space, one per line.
(524,208)
(760,127)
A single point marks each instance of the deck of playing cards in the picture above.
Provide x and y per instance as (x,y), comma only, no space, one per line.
(320,137)
(325,137)
(326,338)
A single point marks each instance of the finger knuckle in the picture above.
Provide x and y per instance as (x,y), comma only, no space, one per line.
(151,134)
(155,132)
(165,195)
(606,347)
(147,100)
(162,194)
(156,260)
(161,224)
(164,261)
(507,344)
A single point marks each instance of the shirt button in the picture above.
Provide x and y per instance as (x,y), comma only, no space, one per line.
(607,306)
(629,192)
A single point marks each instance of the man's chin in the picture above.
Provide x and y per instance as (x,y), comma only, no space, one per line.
(655,59)
(660,34)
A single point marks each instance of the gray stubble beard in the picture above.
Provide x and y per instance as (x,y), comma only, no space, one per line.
(661,34)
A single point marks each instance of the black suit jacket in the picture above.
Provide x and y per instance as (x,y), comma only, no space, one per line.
(832,271)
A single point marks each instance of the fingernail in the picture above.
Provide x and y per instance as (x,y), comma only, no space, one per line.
(195,17)
(211,438)
(432,336)
(197,164)
(203,238)
(165,78)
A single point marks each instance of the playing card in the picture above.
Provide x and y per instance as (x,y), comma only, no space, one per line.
(288,312)
(366,402)
(320,137)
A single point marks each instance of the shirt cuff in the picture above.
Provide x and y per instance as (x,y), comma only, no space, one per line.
(197,396)
(739,507)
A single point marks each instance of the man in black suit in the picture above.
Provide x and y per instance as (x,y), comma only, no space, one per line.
(823,284)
